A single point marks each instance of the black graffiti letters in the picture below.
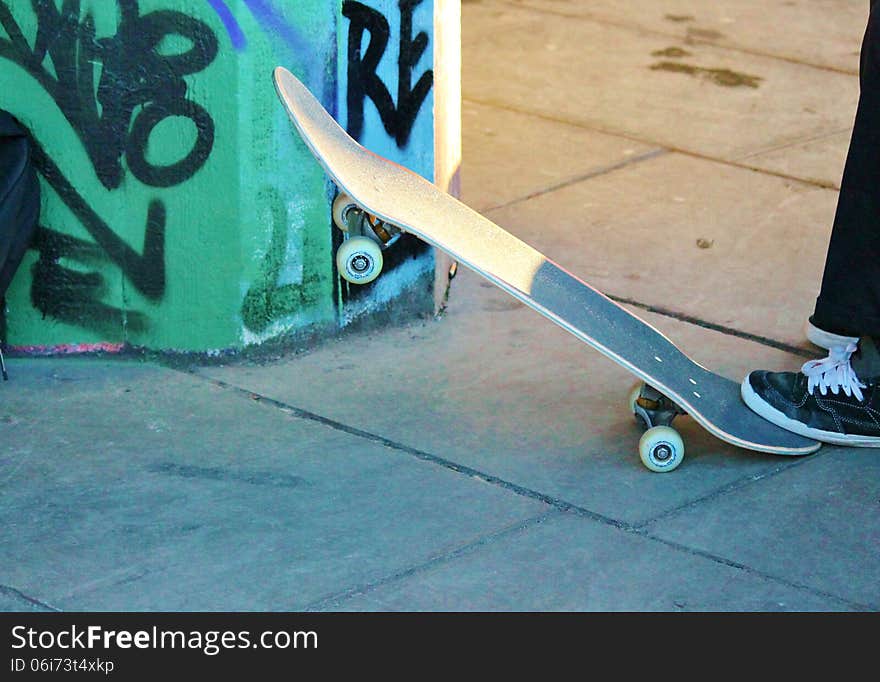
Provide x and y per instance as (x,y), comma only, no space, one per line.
(139,84)
(146,270)
(363,80)
(114,91)
(138,74)
(178,172)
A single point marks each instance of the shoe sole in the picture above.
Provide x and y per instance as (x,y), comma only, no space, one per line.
(774,416)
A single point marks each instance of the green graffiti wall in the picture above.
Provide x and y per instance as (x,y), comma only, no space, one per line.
(180,211)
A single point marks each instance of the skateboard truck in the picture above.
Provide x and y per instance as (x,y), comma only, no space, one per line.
(359,258)
(661,449)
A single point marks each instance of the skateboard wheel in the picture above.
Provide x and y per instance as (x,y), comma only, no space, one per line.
(661,449)
(359,260)
(342,206)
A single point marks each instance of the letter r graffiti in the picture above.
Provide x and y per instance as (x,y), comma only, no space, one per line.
(363,79)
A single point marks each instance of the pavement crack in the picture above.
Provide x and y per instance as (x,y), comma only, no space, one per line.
(18,595)
(558,506)
(724,490)
(333,601)
(693,551)
(669,148)
(448,464)
(713,326)
(605,170)
(691,37)
(642,529)
(792,144)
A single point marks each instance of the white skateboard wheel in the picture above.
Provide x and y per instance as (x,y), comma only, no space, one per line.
(342,205)
(661,449)
(359,260)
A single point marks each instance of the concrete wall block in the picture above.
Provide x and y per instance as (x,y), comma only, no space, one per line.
(180,210)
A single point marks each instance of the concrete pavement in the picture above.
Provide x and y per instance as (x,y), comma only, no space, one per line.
(682,158)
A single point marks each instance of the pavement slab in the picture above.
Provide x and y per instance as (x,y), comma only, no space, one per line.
(817,162)
(736,248)
(509,156)
(566,563)
(192,497)
(715,102)
(825,34)
(817,524)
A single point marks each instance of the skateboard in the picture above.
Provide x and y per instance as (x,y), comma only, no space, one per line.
(379,200)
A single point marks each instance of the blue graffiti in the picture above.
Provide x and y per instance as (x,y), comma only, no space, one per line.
(236,35)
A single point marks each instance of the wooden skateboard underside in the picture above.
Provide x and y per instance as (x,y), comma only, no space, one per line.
(404,199)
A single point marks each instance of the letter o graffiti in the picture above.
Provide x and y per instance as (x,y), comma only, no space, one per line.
(143,126)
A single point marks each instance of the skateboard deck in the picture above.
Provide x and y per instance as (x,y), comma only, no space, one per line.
(398,197)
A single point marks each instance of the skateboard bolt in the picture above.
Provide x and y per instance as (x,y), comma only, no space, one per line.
(662,452)
(360,263)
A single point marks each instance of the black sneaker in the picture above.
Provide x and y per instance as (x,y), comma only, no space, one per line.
(834,400)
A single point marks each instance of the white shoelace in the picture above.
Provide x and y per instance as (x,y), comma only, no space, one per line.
(834,372)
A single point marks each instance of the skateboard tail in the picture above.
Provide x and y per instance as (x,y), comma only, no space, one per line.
(286,90)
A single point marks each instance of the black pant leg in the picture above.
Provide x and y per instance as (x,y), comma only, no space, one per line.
(849,299)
